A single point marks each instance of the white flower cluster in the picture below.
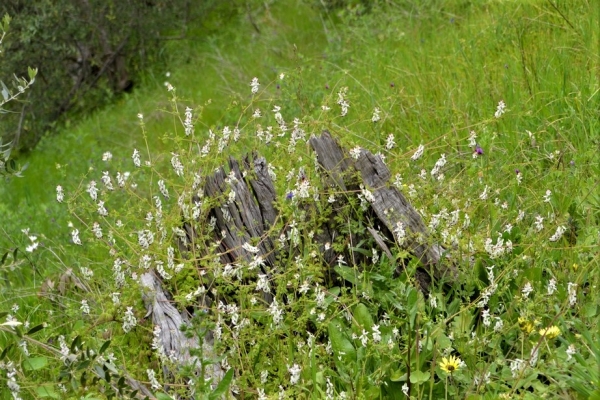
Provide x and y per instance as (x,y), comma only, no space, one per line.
(187,124)
(254,85)
(376,117)
(342,102)
(418,153)
(560,230)
(129,320)
(499,249)
(572,291)
(176,164)
(501,109)
(276,312)
(435,172)
(400,233)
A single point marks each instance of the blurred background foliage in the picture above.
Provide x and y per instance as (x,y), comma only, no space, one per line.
(90,51)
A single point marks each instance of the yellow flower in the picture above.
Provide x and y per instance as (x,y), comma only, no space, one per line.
(551,332)
(450,364)
(526,325)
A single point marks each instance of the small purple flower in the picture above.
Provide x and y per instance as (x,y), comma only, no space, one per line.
(517,171)
(392,84)
(290,195)
(572,163)
(327,86)
(478,150)
(278,87)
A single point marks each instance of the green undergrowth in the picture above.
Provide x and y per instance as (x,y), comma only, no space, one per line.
(503,99)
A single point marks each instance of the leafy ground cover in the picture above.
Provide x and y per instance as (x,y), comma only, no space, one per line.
(487,115)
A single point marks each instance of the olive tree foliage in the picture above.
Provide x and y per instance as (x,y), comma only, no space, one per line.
(87,51)
(10,93)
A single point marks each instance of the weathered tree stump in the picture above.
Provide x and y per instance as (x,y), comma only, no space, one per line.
(250,216)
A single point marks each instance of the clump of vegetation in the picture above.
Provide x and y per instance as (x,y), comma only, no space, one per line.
(499,162)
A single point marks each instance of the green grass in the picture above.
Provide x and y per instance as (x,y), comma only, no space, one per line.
(436,70)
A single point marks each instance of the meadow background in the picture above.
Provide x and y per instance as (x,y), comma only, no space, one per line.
(516,200)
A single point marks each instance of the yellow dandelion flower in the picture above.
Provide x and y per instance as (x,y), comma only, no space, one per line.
(450,364)
(550,332)
(526,325)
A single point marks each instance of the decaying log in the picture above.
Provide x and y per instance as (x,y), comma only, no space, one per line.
(175,345)
(390,205)
(248,217)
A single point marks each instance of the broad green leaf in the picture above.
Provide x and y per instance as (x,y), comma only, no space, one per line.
(46,391)
(419,377)
(398,376)
(222,387)
(34,363)
(162,396)
(363,317)
(443,342)
(346,273)
(340,343)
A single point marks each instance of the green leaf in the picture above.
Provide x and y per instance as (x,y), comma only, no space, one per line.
(104,347)
(4,257)
(340,343)
(75,344)
(111,368)
(32,72)
(83,365)
(46,391)
(100,372)
(590,310)
(443,341)
(346,273)
(412,299)
(5,91)
(363,317)
(222,387)
(162,396)
(78,325)
(3,354)
(398,376)
(35,363)
(35,329)
(418,377)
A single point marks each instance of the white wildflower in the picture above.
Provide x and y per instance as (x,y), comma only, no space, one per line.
(254,85)
(501,109)
(418,153)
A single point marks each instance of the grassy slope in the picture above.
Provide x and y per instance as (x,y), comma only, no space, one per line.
(449,64)
(436,72)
